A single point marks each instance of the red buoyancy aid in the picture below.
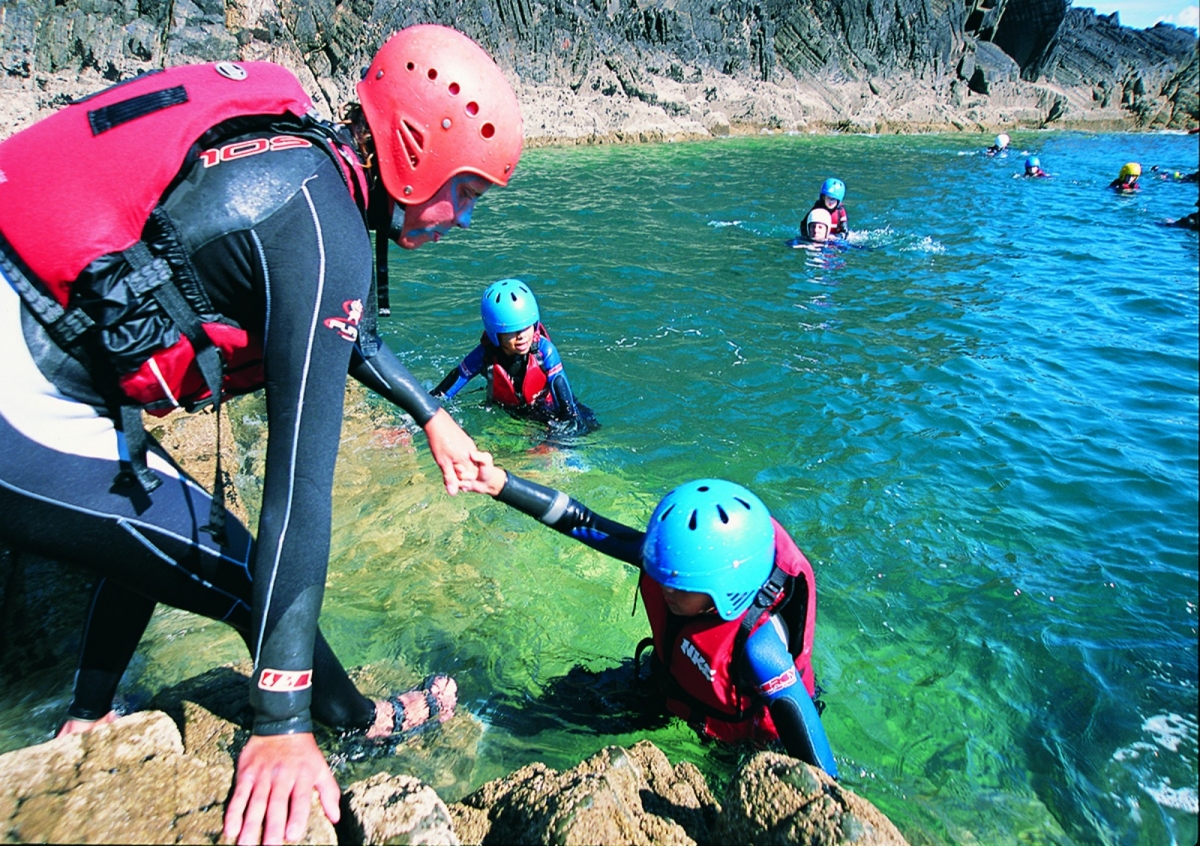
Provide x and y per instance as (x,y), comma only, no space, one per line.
(82,182)
(535,387)
(700,659)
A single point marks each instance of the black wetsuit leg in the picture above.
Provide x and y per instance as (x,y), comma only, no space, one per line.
(144,555)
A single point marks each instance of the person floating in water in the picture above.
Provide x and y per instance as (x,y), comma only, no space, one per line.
(1127,180)
(1033,167)
(817,227)
(833,192)
(524,372)
(1190,221)
(730,599)
(999,146)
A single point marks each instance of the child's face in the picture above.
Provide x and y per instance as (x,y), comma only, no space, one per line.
(687,603)
(818,232)
(830,202)
(515,343)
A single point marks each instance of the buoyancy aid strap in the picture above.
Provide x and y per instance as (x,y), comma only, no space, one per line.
(152,276)
(137,473)
(65,326)
(768,595)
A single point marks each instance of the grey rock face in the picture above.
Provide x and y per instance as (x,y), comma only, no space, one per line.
(620,69)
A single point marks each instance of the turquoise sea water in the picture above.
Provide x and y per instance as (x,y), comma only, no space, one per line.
(980,423)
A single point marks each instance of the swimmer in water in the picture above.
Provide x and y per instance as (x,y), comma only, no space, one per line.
(1127,180)
(817,226)
(999,146)
(520,363)
(730,598)
(1033,168)
(832,199)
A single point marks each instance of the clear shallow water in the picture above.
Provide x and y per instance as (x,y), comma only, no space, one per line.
(980,424)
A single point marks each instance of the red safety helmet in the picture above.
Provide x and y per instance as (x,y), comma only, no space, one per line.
(438,106)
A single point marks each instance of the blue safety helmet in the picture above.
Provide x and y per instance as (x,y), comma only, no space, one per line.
(835,188)
(1032,162)
(507,306)
(713,537)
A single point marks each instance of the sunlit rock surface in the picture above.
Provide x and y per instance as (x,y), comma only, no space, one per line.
(615,70)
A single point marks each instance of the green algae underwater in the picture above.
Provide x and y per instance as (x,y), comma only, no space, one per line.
(979,421)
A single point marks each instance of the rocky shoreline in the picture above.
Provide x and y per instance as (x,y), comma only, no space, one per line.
(163,776)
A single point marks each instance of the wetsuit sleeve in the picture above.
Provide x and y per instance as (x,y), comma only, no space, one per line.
(564,400)
(456,379)
(571,518)
(387,376)
(773,673)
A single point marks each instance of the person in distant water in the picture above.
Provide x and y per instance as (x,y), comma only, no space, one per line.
(1190,221)
(1033,167)
(523,369)
(1127,180)
(999,146)
(817,226)
(833,193)
(731,603)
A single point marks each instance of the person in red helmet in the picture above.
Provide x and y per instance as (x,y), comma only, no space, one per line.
(195,233)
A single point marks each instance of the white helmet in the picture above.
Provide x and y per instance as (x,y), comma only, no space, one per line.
(818,216)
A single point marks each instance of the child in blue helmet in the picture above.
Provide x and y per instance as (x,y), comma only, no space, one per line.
(833,192)
(522,367)
(730,599)
(1033,168)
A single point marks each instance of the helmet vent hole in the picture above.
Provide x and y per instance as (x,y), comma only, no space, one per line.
(432,74)
(487,130)
(413,142)
(723,515)
(692,521)
(454,89)
(472,108)
(743,502)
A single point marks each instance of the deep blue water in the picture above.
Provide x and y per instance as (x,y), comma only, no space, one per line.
(980,423)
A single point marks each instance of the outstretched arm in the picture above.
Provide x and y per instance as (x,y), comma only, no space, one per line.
(559,512)
(776,680)
(452,448)
(457,379)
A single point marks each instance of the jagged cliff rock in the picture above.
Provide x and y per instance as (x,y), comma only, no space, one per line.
(593,70)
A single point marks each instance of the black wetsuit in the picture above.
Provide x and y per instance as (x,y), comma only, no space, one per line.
(281,248)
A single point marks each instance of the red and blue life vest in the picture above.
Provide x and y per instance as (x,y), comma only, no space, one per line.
(83,183)
(535,386)
(701,654)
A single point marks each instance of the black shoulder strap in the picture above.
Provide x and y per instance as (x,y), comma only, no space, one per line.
(772,596)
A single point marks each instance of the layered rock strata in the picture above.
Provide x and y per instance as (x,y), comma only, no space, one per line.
(601,70)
